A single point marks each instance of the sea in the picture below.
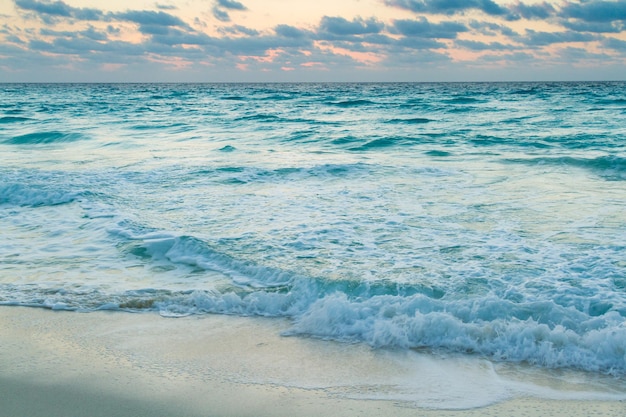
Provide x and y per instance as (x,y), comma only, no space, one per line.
(480,220)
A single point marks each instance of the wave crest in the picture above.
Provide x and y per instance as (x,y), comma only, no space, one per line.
(22,195)
(44,138)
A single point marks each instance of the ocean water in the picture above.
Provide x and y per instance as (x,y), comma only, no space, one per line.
(480,219)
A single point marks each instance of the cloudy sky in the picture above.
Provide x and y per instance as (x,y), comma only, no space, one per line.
(319,40)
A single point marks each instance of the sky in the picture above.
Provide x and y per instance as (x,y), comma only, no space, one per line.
(319,40)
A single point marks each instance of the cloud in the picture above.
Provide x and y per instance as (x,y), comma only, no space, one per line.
(87,39)
(615,44)
(173,36)
(166,7)
(449,7)
(594,27)
(220,14)
(418,59)
(422,28)
(289,31)
(93,34)
(595,10)
(59,9)
(113,30)
(231,5)
(83,47)
(221,6)
(342,27)
(547,38)
(238,30)
(483,46)
(572,54)
(421,44)
(259,45)
(533,11)
(492,29)
(149,17)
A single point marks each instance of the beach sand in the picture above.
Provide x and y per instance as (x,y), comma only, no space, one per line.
(120,364)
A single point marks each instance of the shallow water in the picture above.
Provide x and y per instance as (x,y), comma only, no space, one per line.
(482,219)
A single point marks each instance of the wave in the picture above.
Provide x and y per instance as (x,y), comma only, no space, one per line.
(608,167)
(234,98)
(527,91)
(22,195)
(488,140)
(191,251)
(614,101)
(411,121)
(264,95)
(176,127)
(437,153)
(384,314)
(351,103)
(381,314)
(227,148)
(464,100)
(245,175)
(40,138)
(376,144)
(386,142)
(541,333)
(272,118)
(13,119)
(280,97)
(259,117)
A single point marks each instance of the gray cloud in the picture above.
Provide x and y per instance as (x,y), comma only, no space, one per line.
(449,6)
(166,7)
(113,30)
(419,58)
(155,29)
(289,31)
(220,14)
(483,46)
(547,38)
(402,44)
(594,27)
(220,8)
(595,10)
(87,47)
(59,9)
(572,54)
(420,44)
(492,29)
(615,44)
(422,28)
(149,17)
(231,4)
(514,58)
(94,34)
(342,27)
(533,11)
(258,45)
(173,36)
(238,30)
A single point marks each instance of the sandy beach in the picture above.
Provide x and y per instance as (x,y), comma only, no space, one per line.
(119,364)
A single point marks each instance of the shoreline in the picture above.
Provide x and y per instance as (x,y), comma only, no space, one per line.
(123,364)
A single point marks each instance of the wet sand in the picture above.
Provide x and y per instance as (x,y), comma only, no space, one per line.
(120,364)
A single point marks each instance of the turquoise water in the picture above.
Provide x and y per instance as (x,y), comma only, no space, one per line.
(486,218)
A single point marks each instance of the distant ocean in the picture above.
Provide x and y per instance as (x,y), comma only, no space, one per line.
(484,219)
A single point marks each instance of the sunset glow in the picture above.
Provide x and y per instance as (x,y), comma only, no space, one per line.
(261,40)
